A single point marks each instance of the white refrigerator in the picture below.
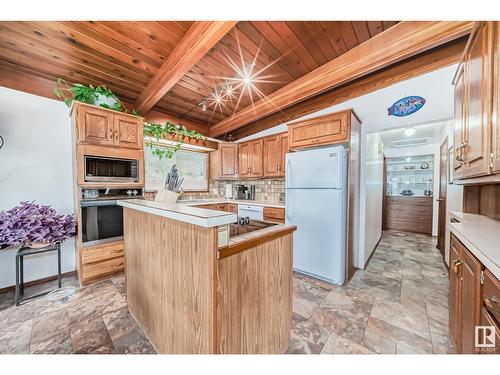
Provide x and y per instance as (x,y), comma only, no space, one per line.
(316,201)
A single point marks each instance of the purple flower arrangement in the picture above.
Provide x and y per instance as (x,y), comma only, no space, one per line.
(30,222)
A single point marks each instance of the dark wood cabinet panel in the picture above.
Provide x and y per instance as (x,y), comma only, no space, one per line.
(454,297)
(477,79)
(274,214)
(470,278)
(458,123)
(495,118)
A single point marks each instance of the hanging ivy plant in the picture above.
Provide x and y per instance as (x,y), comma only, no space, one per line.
(168,131)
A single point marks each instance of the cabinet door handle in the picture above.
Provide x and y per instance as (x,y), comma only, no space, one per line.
(316,140)
(491,304)
(456,267)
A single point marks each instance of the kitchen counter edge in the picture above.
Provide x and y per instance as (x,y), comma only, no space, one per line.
(197,216)
(481,235)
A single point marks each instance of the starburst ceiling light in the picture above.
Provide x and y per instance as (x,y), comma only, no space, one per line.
(244,81)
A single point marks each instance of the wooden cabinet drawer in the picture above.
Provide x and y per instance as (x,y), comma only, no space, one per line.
(409,225)
(319,131)
(491,295)
(424,201)
(93,270)
(102,252)
(274,214)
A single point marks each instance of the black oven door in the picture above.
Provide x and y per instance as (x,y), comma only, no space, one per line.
(102,221)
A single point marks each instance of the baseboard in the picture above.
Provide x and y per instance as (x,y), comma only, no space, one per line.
(35,282)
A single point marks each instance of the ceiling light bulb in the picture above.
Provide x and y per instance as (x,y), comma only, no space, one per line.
(409,132)
(204,106)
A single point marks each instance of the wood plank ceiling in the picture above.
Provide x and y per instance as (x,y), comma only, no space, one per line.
(125,56)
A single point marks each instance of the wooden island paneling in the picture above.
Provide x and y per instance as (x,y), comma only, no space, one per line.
(192,297)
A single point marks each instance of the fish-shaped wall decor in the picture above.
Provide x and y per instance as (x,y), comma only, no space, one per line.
(406,106)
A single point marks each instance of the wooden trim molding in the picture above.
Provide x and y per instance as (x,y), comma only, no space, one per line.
(199,39)
(401,41)
(426,62)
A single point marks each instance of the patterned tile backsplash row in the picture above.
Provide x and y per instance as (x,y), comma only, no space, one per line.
(265,190)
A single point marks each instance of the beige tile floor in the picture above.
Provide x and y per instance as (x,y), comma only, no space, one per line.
(399,304)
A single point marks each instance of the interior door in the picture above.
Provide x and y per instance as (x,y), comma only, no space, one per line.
(443,184)
(319,242)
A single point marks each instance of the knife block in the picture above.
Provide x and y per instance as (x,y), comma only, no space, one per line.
(166,196)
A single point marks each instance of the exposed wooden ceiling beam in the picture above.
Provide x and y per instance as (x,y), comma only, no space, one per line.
(425,62)
(198,40)
(401,41)
(16,79)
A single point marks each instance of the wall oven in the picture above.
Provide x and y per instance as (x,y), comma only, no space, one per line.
(101,216)
(103,169)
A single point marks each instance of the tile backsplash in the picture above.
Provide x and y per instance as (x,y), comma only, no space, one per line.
(265,190)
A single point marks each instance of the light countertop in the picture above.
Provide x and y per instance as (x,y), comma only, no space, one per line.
(194,202)
(181,212)
(481,235)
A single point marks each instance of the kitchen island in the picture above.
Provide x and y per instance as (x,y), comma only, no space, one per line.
(194,289)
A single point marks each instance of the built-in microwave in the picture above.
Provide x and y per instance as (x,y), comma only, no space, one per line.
(103,169)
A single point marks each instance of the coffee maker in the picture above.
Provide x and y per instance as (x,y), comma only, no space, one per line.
(241,192)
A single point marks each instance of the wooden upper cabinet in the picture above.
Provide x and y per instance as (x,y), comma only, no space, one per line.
(245,159)
(94,126)
(128,131)
(283,151)
(104,127)
(329,129)
(495,118)
(251,159)
(459,123)
(275,148)
(272,157)
(257,162)
(477,116)
(229,160)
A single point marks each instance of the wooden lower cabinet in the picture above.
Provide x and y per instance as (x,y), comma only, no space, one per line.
(101,260)
(409,214)
(471,289)
(274,214)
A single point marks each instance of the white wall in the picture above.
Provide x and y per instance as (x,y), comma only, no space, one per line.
(371,196)
(430,149)
(35,164)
